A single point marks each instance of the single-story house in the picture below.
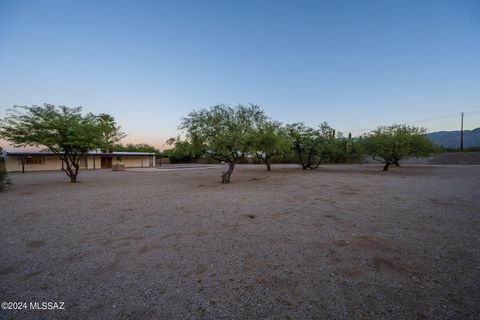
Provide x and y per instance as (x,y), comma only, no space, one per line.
(40,161)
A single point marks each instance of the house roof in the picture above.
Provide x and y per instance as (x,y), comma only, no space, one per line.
(121,153)
(101,154)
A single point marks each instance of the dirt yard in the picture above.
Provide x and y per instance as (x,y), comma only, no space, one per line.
(341,242)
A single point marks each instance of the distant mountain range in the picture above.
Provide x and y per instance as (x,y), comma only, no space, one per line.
(451,139)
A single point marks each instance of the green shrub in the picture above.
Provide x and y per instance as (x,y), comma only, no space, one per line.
(4,180)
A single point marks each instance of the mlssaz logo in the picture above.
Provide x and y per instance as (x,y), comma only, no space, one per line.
(47,305)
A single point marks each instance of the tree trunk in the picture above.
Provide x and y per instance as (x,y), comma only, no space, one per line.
(71,171)
(73,179)
(269,167)
(385,167)
(226,175)
(300,158)
(316,165)
(309,163)
(397,164)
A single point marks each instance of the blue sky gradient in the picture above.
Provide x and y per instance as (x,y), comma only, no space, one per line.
(354,64)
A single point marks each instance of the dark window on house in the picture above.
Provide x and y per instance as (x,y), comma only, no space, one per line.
(82,163)
(32,160)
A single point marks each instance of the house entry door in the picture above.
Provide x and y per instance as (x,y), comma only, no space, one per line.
(106,162)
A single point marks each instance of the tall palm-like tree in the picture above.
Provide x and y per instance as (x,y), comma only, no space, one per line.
(111,133)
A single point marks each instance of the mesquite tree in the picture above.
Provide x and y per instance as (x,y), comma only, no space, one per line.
(389,145)
(111,132)
(223,132)
(65,131)
(312,146)
(138,147)
(269,140)
(183,150)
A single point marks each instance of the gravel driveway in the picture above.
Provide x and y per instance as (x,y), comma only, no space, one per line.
(340,242)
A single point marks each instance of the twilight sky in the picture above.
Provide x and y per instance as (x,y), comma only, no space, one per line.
(354,64)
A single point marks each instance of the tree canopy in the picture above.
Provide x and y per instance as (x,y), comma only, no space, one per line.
(111,132)
(64,131)
(182,150)
(269,139)
(390,144)
(139,147)
(223,132)
(312,146)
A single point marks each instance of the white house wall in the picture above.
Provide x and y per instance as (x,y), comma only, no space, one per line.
(12,163)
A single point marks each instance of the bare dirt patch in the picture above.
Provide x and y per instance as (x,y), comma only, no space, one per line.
(37,244)
(343,242)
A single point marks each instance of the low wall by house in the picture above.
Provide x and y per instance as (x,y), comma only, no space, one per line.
(456,158)
(440,158)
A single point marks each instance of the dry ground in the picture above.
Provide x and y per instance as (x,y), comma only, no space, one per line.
(341,242)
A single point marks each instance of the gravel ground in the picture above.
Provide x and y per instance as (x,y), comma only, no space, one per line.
(341,242)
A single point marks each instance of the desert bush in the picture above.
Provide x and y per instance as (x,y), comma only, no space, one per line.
(4,180)
(313,146)
(223,132)
(389,145)
(183,151)
(139,147)
(289,157)
(270,140)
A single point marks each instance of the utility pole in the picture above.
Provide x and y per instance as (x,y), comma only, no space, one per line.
(461,135)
